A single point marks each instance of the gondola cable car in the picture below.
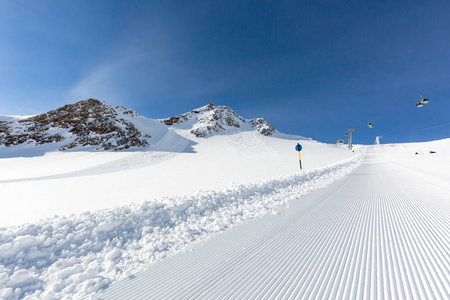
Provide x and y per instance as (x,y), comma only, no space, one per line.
(422,101)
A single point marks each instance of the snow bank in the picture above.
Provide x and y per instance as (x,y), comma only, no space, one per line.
(78,256)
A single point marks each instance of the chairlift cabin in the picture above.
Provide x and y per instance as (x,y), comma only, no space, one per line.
(370,125)
(420,104)
(423,100)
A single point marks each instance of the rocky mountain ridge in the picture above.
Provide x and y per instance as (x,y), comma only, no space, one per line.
(106,127)
(212,119)
(85,123)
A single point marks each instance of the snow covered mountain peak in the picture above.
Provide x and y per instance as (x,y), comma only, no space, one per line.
(86,123)
(101,126)
(211,119)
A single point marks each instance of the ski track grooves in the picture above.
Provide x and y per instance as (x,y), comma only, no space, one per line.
(377,234)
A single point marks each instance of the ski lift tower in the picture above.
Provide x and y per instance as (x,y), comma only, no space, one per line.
(377,140)
(348,133)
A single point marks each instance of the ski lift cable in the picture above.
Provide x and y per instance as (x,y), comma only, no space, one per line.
(417,129)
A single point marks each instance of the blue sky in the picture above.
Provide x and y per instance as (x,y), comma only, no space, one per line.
(313,68)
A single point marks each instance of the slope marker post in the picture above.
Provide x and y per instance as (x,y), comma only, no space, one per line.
(299,148)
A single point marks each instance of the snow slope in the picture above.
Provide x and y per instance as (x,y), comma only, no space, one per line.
(120,212)
(77,220)
(375,221)
(77,256)
(176,163)
(381,233)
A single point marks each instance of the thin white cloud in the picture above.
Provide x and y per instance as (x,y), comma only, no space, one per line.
(101,82)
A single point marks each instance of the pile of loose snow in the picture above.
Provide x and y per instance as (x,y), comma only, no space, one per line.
(92,250)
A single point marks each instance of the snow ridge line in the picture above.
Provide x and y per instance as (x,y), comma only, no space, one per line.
(78,256)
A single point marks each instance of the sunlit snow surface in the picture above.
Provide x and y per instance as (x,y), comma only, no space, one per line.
(82,254)
(176,164)
(382,232)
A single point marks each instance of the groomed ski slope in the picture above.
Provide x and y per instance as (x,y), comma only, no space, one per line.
(77,256)
(381,233)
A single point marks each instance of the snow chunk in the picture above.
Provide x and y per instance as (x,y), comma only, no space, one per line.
(48,295)
(3,278)
(113,254)
(21,278)
(26,241)
(6,293)
(7,250)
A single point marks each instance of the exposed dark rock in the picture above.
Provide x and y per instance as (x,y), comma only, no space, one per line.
(210,119)
(173,120)
(263,127)
(94,123)
(87,123)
